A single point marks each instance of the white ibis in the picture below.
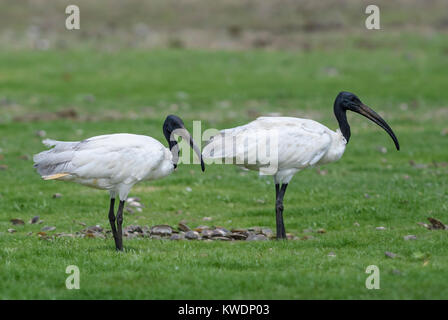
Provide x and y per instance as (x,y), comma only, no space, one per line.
(114,162)
(301,143)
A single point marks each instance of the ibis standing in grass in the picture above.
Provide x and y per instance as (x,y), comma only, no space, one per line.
(301,143)
(114,162)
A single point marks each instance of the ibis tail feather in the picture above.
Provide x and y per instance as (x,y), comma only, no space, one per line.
(55,176)
(56,162)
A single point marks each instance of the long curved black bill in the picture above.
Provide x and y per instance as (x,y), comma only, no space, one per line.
(373,116)
(186,135)
(198,152)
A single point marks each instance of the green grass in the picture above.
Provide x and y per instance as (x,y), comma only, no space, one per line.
(138,89)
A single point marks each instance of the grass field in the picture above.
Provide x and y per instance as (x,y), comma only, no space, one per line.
(133,91)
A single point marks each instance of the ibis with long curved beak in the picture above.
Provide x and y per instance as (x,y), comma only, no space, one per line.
(115,162)
(300,143)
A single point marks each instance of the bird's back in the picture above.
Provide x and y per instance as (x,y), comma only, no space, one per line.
(102,161)
(295,142)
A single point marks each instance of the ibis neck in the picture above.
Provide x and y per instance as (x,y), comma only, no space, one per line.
(341,116)
(173,147)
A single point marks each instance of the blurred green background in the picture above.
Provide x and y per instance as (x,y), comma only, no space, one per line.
(226,63)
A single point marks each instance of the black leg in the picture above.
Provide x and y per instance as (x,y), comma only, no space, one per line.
(112,220)
(119,243)
(281,233)
(277,189)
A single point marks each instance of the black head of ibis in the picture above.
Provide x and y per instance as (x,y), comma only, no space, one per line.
(349,101)
(174,125)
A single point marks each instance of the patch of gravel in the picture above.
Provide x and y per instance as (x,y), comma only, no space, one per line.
(166,232)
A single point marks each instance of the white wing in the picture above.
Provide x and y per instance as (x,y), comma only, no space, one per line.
(298,143)
(120,158)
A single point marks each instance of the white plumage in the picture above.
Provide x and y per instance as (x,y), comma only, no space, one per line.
(301,143)
(113,162)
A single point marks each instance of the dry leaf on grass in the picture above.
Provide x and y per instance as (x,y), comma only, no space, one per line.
(390,254)
(17,222)
(34,219)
